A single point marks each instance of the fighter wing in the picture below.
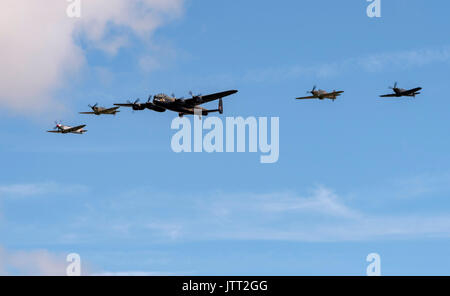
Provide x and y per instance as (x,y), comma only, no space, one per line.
(388,96)
(111,110)
(411,91)
(208,98)
(333,94)
(307,98)
(74,129)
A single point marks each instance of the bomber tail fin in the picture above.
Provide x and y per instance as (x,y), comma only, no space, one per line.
(220,108)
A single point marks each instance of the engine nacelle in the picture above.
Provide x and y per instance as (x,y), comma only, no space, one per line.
(138,107)
(198,99)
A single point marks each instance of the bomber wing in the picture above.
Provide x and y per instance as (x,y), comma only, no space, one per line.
(125,105)
(198,100)
(154,107)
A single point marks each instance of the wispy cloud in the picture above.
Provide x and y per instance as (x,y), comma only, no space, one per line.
(322,201)
(322,215)
(36,189)
(422,185)
(403,59)
(376,62)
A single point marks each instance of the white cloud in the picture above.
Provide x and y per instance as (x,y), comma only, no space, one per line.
(46,263)
(38,262)
(322,201)
(30,189)
(39,52)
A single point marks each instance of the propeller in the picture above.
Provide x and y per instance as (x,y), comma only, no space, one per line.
(312,91)
(134,103)
(198,98)
(395,86)
(149,98)
(93,107)
(57,124)
(192,95)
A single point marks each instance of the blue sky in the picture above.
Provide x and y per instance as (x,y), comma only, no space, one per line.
(355,176)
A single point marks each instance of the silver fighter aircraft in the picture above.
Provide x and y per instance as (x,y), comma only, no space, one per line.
(64,129)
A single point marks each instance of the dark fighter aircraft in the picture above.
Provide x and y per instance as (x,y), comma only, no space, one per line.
(163,102)
(101,110)
(321,94)
(400,92)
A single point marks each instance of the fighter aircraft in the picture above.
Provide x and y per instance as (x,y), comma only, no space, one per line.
(321,94)
(400,92)
(64,129)
(101,110)
(163,102)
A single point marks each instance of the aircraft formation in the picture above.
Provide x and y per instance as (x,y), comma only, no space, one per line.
(162,103)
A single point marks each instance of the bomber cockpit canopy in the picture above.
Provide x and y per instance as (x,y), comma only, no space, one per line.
(161,96)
